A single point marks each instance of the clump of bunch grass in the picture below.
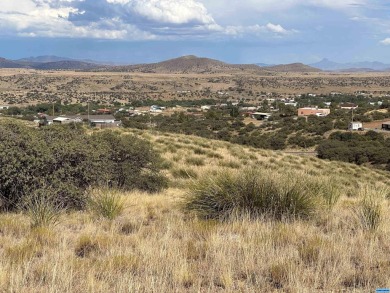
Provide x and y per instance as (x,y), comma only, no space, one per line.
(42,208)
(369,210)
(184,173)
(369,214)
(195,161)
(106,202)
(259,194)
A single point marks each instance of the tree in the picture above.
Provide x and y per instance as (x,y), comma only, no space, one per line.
(234,112)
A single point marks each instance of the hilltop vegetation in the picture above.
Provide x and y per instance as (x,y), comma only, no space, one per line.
(66,161)
(133,241)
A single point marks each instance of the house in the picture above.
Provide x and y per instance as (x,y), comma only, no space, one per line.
(294,104)
(103,111)
(386,126)
(205,107)
(4,107)
(261,116)
(63,120)
(156,109)
(103,121)
(355,126)
(348,106)
(99,121)
(303,112)
(248,109)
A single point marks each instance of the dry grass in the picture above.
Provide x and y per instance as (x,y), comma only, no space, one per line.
(153,246)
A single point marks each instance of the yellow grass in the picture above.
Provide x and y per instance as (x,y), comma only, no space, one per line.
(153,246)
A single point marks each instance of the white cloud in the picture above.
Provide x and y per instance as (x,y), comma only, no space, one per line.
(169,11)
(122,19)
(276,28)
(30,19)
(281,5)
(385,42)
(258,30)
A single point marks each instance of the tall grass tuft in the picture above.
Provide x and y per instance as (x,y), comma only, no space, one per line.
(370,214)
(249,191)
(42,208)
(369,211)
(106,202)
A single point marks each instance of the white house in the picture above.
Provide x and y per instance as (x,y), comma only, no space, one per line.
(205,107)
(62,120)
(355,126)
(348,106)
(261,116)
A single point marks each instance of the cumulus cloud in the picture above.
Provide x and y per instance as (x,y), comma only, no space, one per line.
(281,5)
(120,19)
(42,18)
(269,28)
(385,42)
(168,11)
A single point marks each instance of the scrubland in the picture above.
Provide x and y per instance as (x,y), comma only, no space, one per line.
(22,87)
(140,242)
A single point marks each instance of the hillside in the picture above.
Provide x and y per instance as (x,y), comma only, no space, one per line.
(294,67)
(154,246)
(186,64)
(4,63)
(44,59)
(65,65)
(45,63)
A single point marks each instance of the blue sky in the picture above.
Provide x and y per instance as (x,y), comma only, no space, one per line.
(246,31)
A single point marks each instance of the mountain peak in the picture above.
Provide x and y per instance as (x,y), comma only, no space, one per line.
(189,57)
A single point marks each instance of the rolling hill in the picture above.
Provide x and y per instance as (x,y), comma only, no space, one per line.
(65,65)
(185,64)
(132,241)
(294,67)
(5,63)
(48,63)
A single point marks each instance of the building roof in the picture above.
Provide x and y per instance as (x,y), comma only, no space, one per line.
(348,105)
(61,119)
(386,123)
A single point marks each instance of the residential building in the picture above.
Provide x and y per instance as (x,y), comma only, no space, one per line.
(355,126)
(260,116)
(313,111)
(348,106)
(386,126)
(63,120)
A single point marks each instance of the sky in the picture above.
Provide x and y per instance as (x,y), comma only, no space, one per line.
(234,31)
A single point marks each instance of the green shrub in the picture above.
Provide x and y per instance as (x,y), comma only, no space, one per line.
(132,162)
(67,160)
(255,193)
(106,202)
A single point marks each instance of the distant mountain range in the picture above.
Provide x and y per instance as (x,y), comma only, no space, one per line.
(186,64)
(52,63)
(328,65)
